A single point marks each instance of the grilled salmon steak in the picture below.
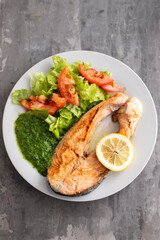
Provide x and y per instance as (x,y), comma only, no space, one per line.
(73,171)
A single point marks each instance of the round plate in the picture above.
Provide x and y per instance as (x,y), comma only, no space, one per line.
(115,181)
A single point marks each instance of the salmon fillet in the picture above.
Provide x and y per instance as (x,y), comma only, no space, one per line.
(73,171)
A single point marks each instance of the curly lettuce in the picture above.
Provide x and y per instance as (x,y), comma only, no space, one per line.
(18,95)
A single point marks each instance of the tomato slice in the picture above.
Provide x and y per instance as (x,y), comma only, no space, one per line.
(41,98)
(25,104)
(60,102)
(65,77)
(93,76)
(52,108)
(112,87)
(40,102)
(33,98)
(67,91)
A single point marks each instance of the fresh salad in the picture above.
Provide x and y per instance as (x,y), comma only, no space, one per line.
(58,100)
(66,92)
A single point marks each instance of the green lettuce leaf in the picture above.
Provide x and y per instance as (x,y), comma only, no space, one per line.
(65,113)
(48,93)
(60,125)
(18,95)
(53,125)
(75,110)
(65,124)
(52,78)
(59,64)
(38,82)
(53,128)
(85,105)
(51,119)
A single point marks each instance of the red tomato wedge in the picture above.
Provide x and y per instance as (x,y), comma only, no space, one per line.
(25,104)
(66,89)
(93,76)
(112,87)
(33,98)
(51,107)
(40,102)
(60,102)
(40,98)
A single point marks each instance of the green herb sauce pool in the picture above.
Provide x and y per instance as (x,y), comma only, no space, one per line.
(35,141)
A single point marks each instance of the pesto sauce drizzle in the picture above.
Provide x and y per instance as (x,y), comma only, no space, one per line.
(35,141)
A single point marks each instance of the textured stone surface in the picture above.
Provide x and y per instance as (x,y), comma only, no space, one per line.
(31,30)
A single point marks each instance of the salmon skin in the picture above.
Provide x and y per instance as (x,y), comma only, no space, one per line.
(73,171)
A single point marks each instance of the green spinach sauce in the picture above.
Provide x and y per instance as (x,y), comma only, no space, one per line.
(35,141)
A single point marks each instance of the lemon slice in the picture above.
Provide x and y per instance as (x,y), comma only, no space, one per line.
(115,151)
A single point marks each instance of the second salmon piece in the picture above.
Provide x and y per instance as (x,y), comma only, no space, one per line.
(73,171)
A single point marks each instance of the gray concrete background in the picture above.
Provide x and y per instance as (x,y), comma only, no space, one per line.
(33,30)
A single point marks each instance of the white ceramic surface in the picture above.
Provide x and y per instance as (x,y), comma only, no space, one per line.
(115,181)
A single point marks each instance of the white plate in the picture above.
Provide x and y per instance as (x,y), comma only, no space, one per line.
(144,138)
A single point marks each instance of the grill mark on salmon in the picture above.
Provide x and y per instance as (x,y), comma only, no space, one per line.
(73,171)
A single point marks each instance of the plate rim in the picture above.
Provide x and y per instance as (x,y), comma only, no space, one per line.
(60,197)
